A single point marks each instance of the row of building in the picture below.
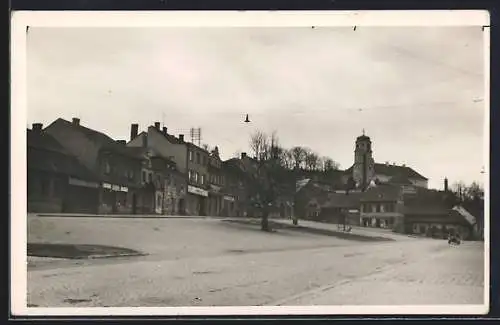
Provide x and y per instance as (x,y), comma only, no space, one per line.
(74,169)
(387,196)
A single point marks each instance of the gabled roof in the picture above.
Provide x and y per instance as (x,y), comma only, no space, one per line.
(393,170)
(46,154)
(400,180)
(100,139)
(381,193)
(342,200)
(426,202)
(171,138)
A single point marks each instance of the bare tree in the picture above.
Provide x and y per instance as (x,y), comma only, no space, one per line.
(258,145)
(206,147)
(299,155)
(286,158)
(329,164)
(311,159)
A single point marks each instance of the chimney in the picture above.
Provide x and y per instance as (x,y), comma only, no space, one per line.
(134,130)
(181,137)
(76,121)
(122,142)
(157,125)
(165,130)
(37,127)
(446,184)
(243,155)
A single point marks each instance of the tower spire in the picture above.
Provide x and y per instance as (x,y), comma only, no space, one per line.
(363,131)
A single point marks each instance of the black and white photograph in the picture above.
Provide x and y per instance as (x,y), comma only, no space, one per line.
(259,165)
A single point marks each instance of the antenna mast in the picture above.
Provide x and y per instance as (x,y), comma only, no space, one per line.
(196,135)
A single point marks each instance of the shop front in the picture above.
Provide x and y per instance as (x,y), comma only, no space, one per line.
(215,201)
(229,206)
(196,201)
(114,199)
(81,196)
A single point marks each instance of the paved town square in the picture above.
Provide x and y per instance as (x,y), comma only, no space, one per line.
(217,267)
(312,163)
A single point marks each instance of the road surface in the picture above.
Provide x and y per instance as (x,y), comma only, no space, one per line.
(205,263)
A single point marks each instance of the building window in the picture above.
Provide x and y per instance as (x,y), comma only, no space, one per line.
(143,176)
(204,160)
(196,177)
(190,155)
(377,206)
(198,158)
(203,179)
(107,167)
(150,176)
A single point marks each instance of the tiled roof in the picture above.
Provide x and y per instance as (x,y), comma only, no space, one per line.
(393,170)
(381,193)
(426,202)
(171,138)
(100,139)
(400,180)
(46,154)
(342,200)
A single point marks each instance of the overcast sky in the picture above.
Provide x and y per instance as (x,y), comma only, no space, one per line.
(416,91)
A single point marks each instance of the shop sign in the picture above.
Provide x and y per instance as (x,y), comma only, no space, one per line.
(197,191)
(79,182)
(116,188)
(353,211)
(228,198)
(215,188)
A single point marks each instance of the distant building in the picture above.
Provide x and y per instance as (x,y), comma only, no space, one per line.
(190,160)
(117,168)
(57,182)
(236,187)
(162,184)
(365,170)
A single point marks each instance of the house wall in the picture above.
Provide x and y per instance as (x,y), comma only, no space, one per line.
(388,213)
(45,192)
(119,170)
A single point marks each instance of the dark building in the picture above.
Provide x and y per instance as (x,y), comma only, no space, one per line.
(117,168)
(57,182)
(162,185)
(236,185)
(173,149)
(190,160)
(220,202)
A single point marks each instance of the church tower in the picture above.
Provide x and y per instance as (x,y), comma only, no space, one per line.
(363,170)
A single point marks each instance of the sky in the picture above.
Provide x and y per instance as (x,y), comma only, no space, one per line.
(418,92)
